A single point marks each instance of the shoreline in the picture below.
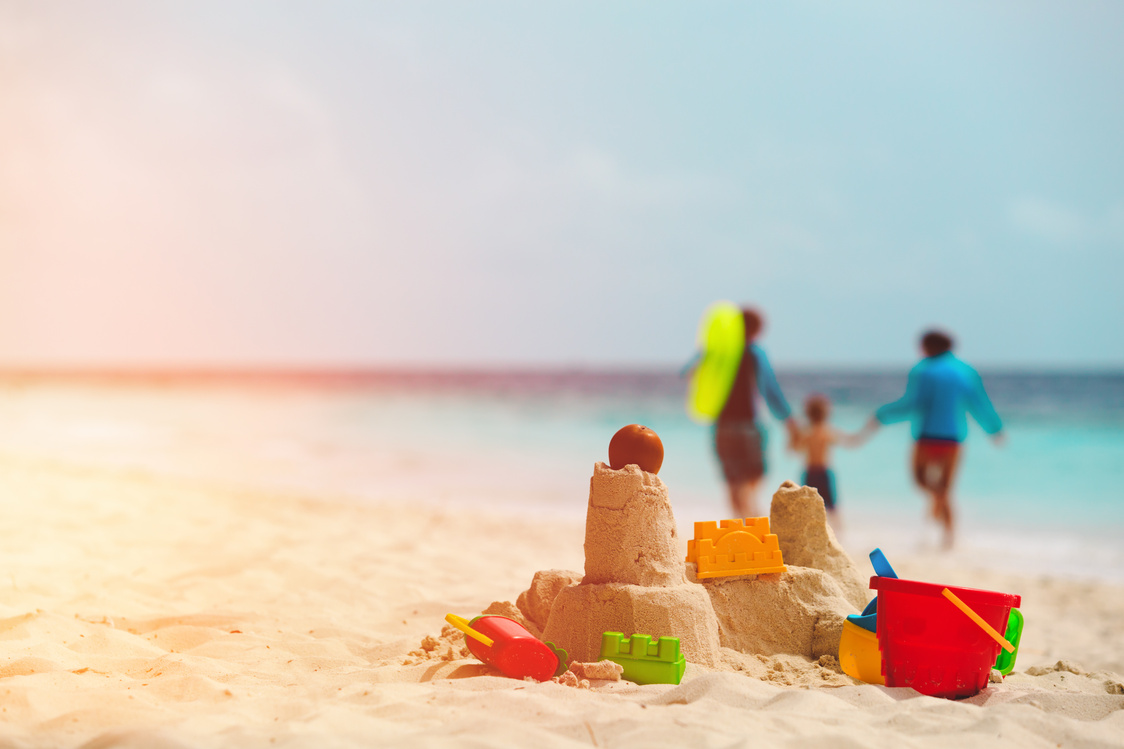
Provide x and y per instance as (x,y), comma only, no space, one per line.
(1064,551)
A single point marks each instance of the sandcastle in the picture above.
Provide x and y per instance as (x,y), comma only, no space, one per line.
(637,581)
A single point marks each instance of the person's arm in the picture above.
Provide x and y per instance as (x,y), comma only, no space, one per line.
(903,408)
(979,405)
(771,389)
(793,430)
(850,439)
(797,437)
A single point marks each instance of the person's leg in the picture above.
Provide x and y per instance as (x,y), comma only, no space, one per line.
(740,450)
(831,504)
(942,511)
(942,497)
(933,469)
(743,498)
(922,476)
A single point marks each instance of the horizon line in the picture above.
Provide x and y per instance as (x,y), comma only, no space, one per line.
(395,372)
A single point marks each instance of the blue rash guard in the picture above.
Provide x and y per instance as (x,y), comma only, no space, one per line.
(940,393)
(754,373)
(768,386)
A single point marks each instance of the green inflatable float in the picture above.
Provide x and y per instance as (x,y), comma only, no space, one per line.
(721,345)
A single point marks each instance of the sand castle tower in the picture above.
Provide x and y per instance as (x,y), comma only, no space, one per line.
(635,580)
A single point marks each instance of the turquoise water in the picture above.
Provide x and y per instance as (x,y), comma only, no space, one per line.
(1051,498)
(1062,462)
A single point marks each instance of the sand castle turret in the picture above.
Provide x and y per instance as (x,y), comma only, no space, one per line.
(630,533)
(800,522)
(635,580)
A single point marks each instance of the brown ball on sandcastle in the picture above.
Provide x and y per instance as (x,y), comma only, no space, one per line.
(637,582)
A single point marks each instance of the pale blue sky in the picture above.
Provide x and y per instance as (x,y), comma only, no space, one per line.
(559,183)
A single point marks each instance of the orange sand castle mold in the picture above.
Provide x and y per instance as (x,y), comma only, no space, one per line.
(736,547)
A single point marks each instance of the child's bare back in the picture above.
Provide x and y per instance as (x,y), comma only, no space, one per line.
(816,443)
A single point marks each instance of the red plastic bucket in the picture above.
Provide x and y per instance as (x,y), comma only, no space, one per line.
(929,644)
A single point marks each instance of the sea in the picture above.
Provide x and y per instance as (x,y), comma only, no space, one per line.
(1048,500)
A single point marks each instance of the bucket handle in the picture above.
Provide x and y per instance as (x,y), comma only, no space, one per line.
(978,620)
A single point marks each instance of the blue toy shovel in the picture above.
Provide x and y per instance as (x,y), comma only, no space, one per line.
(868,619)
(881,565)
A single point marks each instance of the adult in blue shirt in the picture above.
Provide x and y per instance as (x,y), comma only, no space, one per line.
(739,437)
(941,392)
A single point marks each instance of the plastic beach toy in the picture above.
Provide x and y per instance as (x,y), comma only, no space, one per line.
(881,564)
(924,644)
(722,343)
(1005,663)
(507,645)
(735,547)
(979,620)
(859,656)
(1009,642)
(930,643)
(644,661)
(868,619)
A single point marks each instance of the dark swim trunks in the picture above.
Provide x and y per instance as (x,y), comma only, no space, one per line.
(934,462)
(823,481)
(741,450)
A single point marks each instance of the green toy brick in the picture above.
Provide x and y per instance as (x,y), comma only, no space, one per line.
(644,661)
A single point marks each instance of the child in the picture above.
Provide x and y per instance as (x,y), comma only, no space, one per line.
(816,442)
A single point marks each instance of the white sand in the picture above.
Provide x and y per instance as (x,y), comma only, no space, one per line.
(143,610)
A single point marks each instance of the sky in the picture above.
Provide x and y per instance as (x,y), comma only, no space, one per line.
(558,184)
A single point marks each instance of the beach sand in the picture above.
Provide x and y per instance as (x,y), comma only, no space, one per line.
(141,610)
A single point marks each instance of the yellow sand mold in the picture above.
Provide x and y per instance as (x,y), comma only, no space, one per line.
(735,547)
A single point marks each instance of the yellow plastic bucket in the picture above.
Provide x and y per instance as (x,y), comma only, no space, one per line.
(858,654)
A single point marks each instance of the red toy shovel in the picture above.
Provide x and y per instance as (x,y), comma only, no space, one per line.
(507,645)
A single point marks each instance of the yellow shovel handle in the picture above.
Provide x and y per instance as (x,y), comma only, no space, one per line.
(978,620)
(462,624)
